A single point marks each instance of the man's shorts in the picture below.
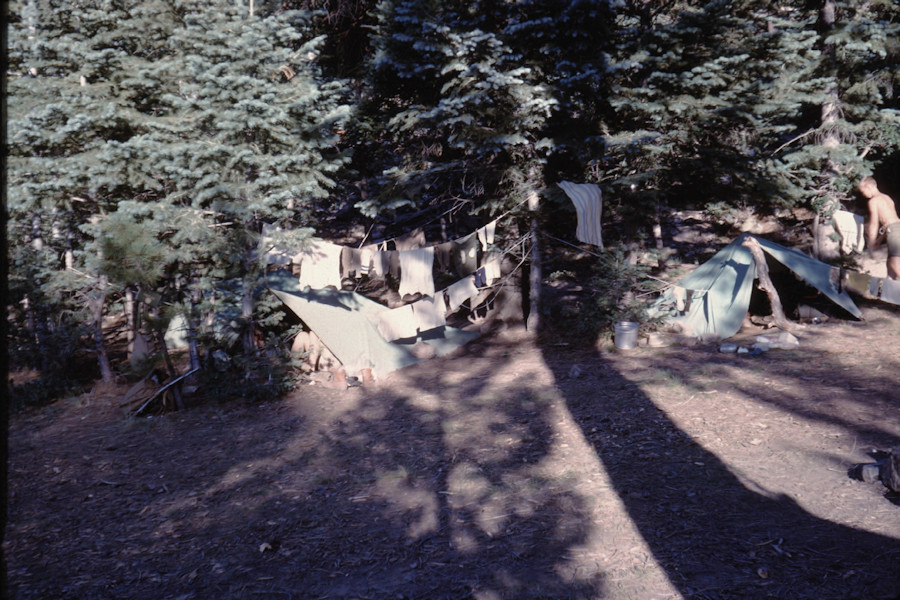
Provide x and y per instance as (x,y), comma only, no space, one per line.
(892,238)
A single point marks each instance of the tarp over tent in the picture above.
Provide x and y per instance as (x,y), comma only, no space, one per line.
(717,293)
(346,323)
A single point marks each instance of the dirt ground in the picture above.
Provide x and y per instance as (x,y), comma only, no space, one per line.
(515,468)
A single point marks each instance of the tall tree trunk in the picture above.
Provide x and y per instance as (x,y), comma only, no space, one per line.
(823,244)
(533,322)
(97,301)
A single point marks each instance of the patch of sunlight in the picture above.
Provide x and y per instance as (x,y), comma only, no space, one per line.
(409,500)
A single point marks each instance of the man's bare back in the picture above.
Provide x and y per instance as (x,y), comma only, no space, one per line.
(883,223)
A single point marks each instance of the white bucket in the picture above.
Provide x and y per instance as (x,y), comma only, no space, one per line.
(626,335)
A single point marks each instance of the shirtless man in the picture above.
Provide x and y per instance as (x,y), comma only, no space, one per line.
(883,222)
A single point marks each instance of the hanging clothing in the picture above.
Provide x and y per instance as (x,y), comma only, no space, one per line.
(320,265)
(460,291)
(492,270)
(678,293)
(416,271)
(465,255)
(486,234)
(852,229)
(588,201)
(393,258)
(442,255)
(397,323)
(380,260)
(351,263)
(430,312)
(365,259)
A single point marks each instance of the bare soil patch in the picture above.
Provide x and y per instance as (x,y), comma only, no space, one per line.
(515,468)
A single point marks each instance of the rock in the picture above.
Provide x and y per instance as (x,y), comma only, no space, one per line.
(423,350)
(575,372)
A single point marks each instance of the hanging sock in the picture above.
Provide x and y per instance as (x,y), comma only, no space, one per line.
(416,271)
(588,201)
(320,265)
(486,234)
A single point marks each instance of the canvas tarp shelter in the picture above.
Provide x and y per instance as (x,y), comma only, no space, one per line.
(346,323)
(717,293)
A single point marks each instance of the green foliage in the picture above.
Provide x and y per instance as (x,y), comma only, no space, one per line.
(621,291)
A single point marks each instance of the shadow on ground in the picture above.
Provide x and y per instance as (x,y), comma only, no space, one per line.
(716,534)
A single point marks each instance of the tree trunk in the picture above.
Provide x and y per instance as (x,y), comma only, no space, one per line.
(533,322)
(765,283)
(824,246)
(97,301)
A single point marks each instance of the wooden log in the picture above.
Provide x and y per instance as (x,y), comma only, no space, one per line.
(766,285)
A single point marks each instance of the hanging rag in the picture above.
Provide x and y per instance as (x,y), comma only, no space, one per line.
(351,263)
(442,254)
(320,265)
(492,270)
(465,255)
(678,293)
(852,229)
(397,323)
(380,259)
(460,291)
(430,312)
(486,234)
(416,271)
(588,201)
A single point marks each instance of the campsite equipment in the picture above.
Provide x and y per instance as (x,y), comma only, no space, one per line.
(347,324)
(626,334)
(712,301)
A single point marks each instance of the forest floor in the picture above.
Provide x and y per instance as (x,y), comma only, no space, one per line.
(514,468)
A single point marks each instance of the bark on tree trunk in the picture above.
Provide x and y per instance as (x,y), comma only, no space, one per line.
(533,323)
(765,283)
(97,301)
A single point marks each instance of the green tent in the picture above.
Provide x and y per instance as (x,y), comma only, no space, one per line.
(717,293)
(346,323)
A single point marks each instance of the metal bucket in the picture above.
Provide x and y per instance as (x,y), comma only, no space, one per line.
(626,335)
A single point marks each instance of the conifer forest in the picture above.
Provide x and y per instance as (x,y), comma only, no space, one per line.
(180,429)
(150,143)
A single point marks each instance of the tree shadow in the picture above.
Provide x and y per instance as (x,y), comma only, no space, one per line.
(432,485)
(715,534)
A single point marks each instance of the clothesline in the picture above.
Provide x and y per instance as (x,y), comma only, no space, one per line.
(449,210)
